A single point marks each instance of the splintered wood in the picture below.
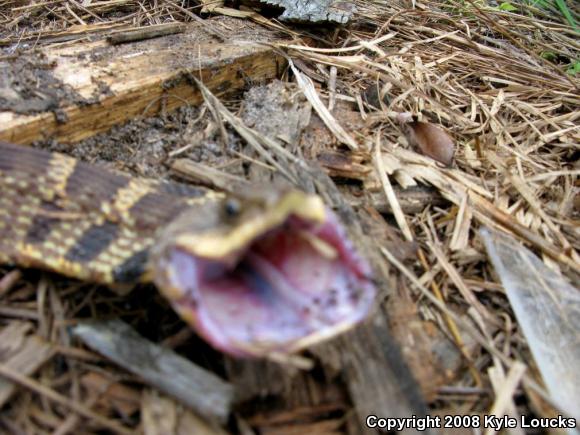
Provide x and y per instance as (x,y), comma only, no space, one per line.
(22,352)
(90,87)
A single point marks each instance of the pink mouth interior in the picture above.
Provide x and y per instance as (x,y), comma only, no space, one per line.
(280,290)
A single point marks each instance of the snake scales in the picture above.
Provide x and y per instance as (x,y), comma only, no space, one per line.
(250,276)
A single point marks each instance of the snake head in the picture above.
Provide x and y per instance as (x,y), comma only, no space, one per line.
(256,278)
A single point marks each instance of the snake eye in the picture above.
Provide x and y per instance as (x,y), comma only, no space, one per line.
(232,207)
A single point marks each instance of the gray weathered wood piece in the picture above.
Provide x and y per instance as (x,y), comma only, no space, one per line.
(201,390)
(314,10)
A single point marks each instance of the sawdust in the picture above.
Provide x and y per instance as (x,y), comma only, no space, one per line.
(145,147)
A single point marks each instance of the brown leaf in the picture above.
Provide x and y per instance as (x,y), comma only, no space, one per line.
(431,140)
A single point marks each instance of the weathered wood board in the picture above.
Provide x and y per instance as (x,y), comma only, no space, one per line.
(72,91)
(312,11)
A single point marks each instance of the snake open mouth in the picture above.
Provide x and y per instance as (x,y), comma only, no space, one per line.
(280,281)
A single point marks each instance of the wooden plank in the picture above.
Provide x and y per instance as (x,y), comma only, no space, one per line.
(90,87)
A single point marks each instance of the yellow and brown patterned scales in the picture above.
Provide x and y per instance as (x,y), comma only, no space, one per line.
(80,220)
(251,276)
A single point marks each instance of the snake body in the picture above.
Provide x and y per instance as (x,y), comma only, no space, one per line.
(251,276)
(80,220)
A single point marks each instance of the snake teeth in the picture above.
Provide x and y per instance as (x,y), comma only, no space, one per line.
(323,248)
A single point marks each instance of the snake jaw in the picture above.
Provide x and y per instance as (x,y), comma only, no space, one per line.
(210,245)
(282,280)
